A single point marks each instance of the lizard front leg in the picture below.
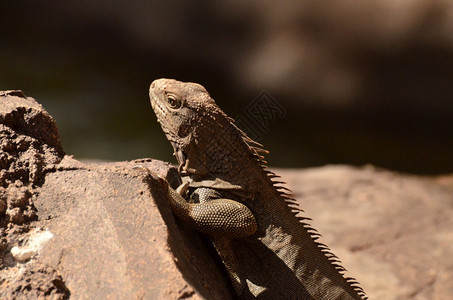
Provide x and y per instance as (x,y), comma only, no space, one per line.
(223,219)
(222,243)
(219,217)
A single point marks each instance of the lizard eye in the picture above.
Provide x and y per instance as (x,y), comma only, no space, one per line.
(173,102)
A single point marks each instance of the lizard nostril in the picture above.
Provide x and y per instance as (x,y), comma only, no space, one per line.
(153,84)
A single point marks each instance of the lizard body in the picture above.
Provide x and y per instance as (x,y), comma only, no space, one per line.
(267,247)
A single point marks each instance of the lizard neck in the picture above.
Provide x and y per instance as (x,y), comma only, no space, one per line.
(217,150)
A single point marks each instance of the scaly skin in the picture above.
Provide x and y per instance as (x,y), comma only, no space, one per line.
(219,217)
(267,248)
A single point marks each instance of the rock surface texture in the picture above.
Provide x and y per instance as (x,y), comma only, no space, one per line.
(392,231)
(85,231)
(105,230)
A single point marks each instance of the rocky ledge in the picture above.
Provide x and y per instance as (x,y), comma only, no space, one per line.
(105,230)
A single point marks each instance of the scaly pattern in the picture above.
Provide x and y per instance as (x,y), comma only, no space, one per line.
(266,244)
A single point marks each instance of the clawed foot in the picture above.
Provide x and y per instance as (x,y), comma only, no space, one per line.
(183,188)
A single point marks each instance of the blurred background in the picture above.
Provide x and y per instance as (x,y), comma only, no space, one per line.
(362,82)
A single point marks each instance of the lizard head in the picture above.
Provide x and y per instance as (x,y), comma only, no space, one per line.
(180,108)
(205,140)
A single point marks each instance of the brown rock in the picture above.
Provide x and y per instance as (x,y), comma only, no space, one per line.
(393,232)
(29,142)
(104,230)
(115,236)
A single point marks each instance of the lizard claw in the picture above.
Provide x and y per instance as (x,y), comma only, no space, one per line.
(183,188)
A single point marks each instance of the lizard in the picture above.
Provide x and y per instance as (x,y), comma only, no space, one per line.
(267,245)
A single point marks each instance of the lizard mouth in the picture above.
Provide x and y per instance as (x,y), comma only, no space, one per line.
(158,109)
(162,114)
(157,106)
